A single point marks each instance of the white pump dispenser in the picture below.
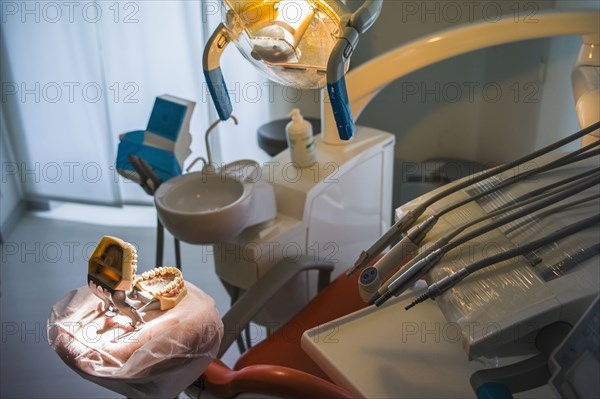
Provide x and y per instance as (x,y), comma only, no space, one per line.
(300,140)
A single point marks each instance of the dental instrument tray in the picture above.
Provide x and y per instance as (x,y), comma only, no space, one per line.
(500,309)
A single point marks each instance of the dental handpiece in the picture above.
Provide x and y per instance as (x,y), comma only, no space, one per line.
(407,220)
(568,159)
(559,183)
(426,259)
(420,265)
(371,277)
(542,215)
(410,273)
(385,240)
(438,288)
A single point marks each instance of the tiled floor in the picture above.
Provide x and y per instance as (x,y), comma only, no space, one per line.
(42,259)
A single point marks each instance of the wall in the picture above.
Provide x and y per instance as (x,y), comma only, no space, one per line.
(11,194)
(557,95)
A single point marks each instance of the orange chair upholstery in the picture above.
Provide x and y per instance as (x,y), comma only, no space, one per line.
(278,365)
(270,380)
(283,347)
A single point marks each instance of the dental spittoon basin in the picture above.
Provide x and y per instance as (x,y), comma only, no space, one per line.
(215,205)
(201,208)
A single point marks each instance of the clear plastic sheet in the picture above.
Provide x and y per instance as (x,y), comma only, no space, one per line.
(160,359)
(500,307)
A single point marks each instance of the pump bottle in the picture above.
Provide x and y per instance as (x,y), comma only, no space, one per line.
(300,140)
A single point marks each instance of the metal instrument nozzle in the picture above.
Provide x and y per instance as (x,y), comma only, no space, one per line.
(384,241)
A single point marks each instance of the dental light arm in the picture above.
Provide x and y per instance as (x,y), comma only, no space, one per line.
(366,15)
(350,95)
(366,81)
(212,72)
(336,83)
(363,84)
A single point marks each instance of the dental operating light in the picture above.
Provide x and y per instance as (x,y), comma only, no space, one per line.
(305,44)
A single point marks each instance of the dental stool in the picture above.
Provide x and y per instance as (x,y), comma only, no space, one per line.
(272,138)
(159,360)
(278,365)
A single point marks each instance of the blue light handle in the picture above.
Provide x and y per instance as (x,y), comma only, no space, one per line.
(341,108)
(211,63)
(218,92)
(336,82)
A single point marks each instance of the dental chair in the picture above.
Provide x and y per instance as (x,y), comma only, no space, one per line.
(278,366)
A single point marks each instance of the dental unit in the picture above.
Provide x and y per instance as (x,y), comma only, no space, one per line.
(259,220)
(498,296)
(305,208)
(284,63)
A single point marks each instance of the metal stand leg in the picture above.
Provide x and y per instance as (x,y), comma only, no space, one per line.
(247,337)
(177,254)
(240,342)
(160,239)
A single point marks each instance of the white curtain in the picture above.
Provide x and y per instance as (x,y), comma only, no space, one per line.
(75,75)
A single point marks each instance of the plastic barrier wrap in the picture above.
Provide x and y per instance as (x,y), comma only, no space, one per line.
(160,359)
(499,309)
